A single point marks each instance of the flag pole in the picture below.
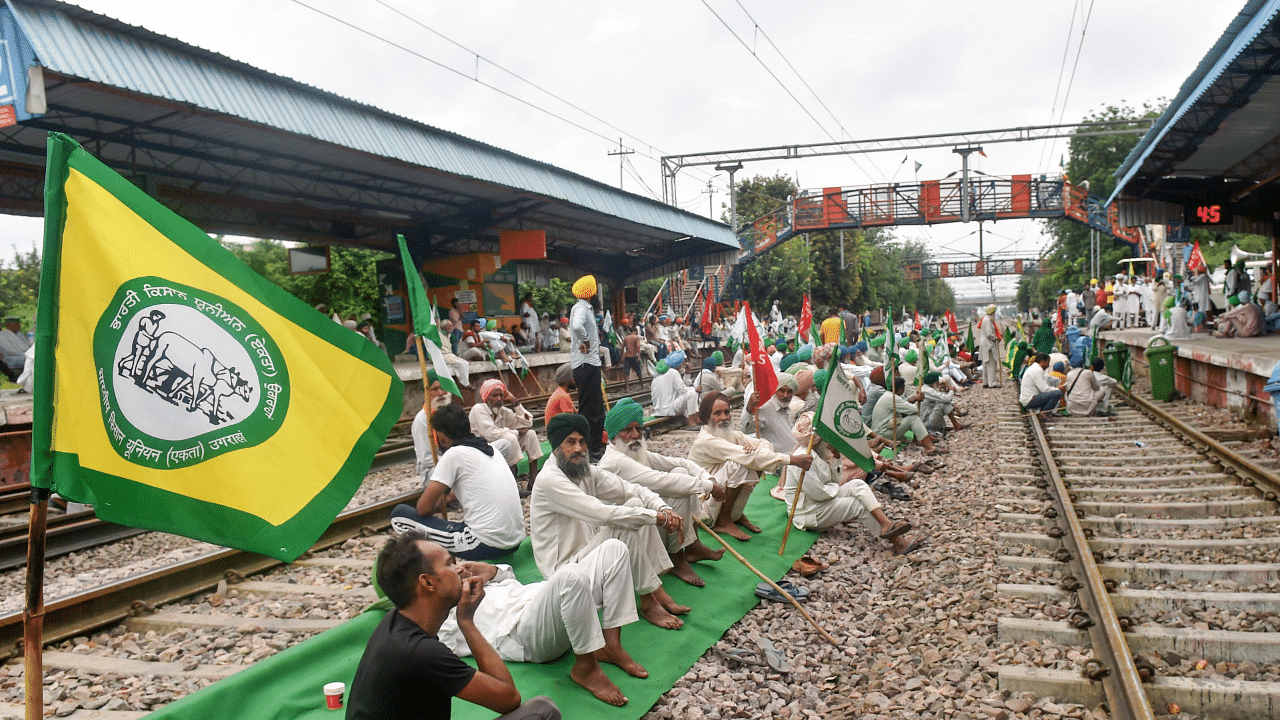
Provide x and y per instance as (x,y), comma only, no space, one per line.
(33,613)
(426,395)
(795,501)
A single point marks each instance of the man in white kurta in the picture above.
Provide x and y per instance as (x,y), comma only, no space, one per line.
(829,498)
(680,483)
(492,420)
(774,419)
(1088,390)
(13,346)
(532,320)
(989,348)
(576,506)
(538,622)
(735,461)
(460,368)
(671,397)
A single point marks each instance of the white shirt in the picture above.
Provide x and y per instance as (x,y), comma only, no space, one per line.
(487,492)
(1034,382)
(667,391)
(505,600)
(12,343)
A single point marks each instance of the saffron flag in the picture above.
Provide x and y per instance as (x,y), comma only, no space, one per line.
(424,320)
(806,318)
(916,321)
(1196,261)
(177,390)
(838,421)
(762,374)
(951,323)
(707,309)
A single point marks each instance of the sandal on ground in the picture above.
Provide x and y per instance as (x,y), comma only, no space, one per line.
(898,528)
(772,655)
(740,655)
(765,591)
(778,493)
(808,565)
(915,545)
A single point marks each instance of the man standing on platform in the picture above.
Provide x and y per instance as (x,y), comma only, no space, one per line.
(989,348)
(585,359)
(679,482)
(492,420)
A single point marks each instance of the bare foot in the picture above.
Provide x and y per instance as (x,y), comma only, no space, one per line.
(732,531)
(590,676)
(669,602)
(682,570)
(744,522)
(621,658)
(698,551)
(654,612)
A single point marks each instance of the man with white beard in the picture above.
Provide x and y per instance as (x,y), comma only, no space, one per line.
(735,461)
(679,482)
(437,398)
(575,507)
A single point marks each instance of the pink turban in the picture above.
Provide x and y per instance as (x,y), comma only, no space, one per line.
(487,388)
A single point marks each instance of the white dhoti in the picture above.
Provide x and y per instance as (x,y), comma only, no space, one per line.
(732,378)
(461,368)
(647,553)
(564,613)
(990,365)
(820,509)
(733,475)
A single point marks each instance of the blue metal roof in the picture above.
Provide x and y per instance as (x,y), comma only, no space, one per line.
(1243,30)
(76,42)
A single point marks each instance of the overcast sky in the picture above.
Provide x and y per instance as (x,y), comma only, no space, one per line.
(673,79)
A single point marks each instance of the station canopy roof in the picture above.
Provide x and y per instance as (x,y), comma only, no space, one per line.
(238,150)
(1219,139)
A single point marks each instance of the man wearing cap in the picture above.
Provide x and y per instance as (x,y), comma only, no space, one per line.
(874,351)
(671,397)
(576,506)
(680,483)
(478,477)
(989,348)
(735,461)
(875,388)
(491,419)
(773,417)
(584,356)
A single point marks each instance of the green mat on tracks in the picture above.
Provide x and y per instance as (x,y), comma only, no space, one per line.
(289,685)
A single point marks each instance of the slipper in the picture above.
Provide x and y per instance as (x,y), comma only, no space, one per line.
(739,655)
(765,591)
(915,545)
(807,565)
(898,528)
(773,655)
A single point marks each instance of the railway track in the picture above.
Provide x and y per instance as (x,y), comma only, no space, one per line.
(1148,555)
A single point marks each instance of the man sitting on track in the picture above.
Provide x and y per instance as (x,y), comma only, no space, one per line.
(575,507)
(538,622)
(406,672)
(735,461)
(421,429)
(679,482)
(826,502)
(476,473)
(671,397)
(774,420)
(491,420)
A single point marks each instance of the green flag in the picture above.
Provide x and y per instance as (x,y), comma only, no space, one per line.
(968,340)
(177,390)
(838,420)
(424,320)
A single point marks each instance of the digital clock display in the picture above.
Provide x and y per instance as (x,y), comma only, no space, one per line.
(1208,215)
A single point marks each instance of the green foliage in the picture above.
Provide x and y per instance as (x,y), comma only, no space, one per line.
(349,288)
(1094,159)
(553,298)
(1216,246)
(20,286)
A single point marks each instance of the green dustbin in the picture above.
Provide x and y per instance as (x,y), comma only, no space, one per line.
(1117,355)
(1161,356)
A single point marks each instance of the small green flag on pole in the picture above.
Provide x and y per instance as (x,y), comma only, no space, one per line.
(424,320)
(839,421)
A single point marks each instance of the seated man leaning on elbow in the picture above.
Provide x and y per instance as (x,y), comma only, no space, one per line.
(406,672)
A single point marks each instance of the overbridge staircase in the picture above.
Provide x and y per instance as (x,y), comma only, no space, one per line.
(684,294)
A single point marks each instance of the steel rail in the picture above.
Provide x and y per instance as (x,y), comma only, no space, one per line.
(1232,462)
(89,610)
(1123,687)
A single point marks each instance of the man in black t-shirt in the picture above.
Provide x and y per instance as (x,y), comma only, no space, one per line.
(406,672)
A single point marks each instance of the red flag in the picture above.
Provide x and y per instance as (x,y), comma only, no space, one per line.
(951,323)
(1057,325)
(1196,261)
(806,318)
(761,368)
(918,325)
(706,314)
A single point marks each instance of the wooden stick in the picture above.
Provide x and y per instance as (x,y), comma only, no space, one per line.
(33,613)
(772,584)
(426,395)
(795,501)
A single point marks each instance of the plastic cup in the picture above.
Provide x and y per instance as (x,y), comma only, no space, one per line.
(333,695)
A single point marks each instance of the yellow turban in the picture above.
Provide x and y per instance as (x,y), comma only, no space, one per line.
(585,287)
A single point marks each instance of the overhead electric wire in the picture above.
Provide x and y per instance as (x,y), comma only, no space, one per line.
(781,84)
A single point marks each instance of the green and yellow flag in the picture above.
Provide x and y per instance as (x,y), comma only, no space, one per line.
(177,390)
(424,321)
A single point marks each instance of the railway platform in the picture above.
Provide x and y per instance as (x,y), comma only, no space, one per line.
(1227,373)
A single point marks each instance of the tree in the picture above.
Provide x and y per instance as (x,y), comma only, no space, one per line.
(20,287)
(552,299)
(349,288)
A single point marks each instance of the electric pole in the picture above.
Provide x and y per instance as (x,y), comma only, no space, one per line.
(621,153)
(733,193)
